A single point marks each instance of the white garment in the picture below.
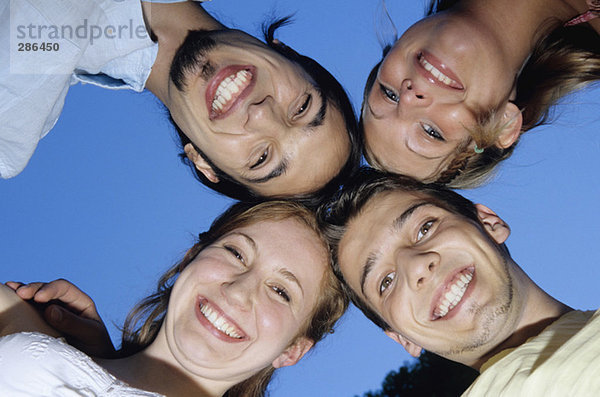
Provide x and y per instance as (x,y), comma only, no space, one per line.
(103,42)
(563,360)
(34,364)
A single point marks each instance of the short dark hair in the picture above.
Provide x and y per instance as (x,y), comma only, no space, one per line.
(331,89)
(352,198)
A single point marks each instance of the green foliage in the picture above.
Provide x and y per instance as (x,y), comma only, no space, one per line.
(431,376)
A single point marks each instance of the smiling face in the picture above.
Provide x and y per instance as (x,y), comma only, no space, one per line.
(437,279)
(430,89)
(240,304)
(259,117)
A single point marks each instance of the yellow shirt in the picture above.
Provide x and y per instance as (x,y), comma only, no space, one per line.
(563,360)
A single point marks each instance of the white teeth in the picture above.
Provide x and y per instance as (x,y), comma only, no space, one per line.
(228,87)
(442,310)
(219,322)
(435,72)
(454,295)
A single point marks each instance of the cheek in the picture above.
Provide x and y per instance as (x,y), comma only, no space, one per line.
(398,313)
(277,326)
(381,139)
(394,65)
(273,318)
(224,151)
(456,123)
(206,269)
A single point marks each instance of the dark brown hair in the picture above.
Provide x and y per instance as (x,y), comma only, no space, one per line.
(332,91)
(364,186)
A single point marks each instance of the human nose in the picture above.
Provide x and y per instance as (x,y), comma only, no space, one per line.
(419,267)
(413,95)
(264,116)
(240,291)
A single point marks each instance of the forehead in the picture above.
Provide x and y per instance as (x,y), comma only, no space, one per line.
(379,213)
(289,244)
(369,231)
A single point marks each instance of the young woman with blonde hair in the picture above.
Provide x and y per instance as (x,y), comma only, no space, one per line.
(454,93)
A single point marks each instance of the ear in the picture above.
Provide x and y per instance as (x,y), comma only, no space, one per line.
(513,121)
(411,348)
(494,225)
(294,353)
(201,164)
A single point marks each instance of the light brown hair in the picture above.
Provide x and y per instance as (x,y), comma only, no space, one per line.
(144,321)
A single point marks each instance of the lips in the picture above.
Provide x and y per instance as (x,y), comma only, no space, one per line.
(437,72)
(217,322)
(452,293)
(227,89)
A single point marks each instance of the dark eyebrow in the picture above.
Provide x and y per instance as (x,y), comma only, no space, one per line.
(373,257)
(371,260)
(279,170)
(320,116)
(403,218)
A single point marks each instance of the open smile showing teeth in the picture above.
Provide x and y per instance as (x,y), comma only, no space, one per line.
(219,322)
(229,89)
(454,293)
(441,77)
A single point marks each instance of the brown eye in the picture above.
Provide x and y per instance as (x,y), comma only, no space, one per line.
(235,253)
(263,157)
(386,282)
(281,292)
(300,111)
(424,230)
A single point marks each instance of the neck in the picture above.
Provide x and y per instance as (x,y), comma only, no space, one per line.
(155,369)
(517,25)
(538,311)
(169,24)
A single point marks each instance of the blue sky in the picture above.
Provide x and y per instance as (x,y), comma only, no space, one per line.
(106,204)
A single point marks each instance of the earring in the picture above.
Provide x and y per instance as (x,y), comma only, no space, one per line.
(478,149)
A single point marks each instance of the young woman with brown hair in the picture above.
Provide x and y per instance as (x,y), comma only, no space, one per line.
(254,294)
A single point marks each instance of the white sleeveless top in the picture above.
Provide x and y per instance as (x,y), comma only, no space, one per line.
(34,364)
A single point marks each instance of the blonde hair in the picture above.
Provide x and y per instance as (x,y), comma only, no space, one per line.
(144,321)
(468,168)
(566,60)
(563,61)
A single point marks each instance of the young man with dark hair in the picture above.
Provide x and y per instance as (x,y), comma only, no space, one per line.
(431,269)
(265,118)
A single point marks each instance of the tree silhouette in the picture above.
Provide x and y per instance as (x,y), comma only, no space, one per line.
(431,376)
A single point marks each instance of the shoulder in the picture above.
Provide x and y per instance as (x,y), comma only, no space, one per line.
(48,366)
(16,315)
